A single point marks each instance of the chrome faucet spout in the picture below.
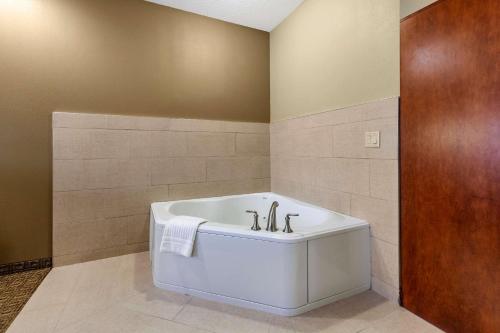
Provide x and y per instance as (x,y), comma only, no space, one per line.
(271,218)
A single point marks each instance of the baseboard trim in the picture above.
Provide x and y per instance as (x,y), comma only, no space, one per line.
(27,265)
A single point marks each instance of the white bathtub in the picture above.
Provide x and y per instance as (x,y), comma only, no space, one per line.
(326,258)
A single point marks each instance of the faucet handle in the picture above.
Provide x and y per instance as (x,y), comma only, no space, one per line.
(255,225)
(287,228)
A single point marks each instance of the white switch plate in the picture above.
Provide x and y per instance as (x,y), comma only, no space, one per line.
(372,139)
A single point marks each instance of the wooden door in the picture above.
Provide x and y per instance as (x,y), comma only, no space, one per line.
(450,165)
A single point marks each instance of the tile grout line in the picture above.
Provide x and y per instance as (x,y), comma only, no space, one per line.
(372,324)
(163,130)
(338,124)
(156,185)
(383,240)
(67,300)
(370,178)
(336,190)
(333,157)
(158,157)
(173,321)
(395,289)
(181,309)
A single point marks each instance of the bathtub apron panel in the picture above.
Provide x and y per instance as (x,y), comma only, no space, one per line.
(338,263)
(270,273)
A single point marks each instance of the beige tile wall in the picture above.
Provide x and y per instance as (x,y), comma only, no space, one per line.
(321,159)
(107,170)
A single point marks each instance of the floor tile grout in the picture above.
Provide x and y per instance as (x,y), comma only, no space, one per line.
(68,299)
(182,308)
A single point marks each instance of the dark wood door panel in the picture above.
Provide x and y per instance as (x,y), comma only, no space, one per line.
(450,165)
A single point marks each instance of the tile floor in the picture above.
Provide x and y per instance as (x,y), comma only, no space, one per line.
(117,295)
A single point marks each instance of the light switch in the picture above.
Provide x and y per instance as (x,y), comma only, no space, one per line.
(372,139)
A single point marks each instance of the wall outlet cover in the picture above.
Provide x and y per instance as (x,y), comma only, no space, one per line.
(372,139)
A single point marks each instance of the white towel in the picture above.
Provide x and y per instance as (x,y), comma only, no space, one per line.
(179,235)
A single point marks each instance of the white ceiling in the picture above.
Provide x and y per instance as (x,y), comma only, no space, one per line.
(259,14)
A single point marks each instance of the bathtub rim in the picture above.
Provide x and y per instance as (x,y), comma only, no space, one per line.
(244,231)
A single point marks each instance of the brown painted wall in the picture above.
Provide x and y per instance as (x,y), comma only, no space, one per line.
(113,56)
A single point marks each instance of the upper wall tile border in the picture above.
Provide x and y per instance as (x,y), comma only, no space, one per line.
(146,123)
(384,108)
(78,120)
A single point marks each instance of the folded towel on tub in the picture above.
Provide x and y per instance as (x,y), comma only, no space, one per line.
(179,235)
